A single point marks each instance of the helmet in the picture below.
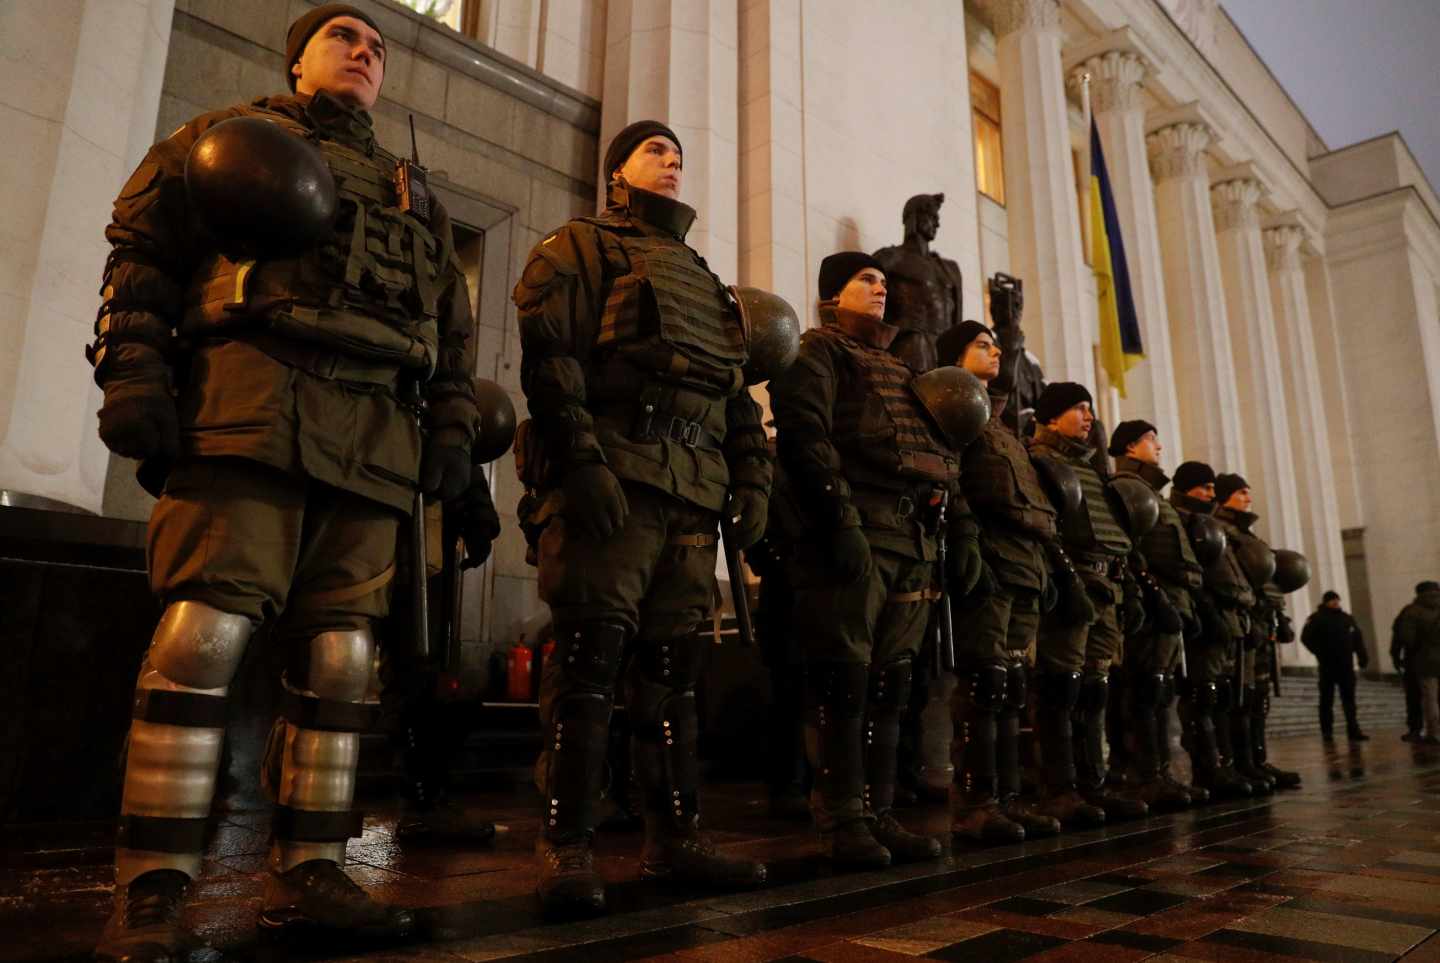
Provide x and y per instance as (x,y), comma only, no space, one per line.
(772,329)
(1135,502)
(1257,559)
(1207,538)
(1060,483)
(1292,571)
(957,401)
(497,422)
(258,188)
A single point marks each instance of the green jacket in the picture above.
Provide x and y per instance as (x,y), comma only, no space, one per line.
(1417,634)
(312,408)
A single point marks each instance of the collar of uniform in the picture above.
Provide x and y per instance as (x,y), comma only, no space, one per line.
(869,331)
(654,210)
(340,122)
(998,402)
(1241,520)
(1183,501)
(1153,475)
(1075,449)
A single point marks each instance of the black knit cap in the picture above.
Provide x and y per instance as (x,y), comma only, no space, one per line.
(1058,398)
(1328,596)
(837,270)
(1426,586)
(1126,434)
(950,346)
(1193,474)
(1227,485)
(305,27)
(623,144)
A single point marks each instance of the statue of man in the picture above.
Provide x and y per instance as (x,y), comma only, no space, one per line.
(924,295)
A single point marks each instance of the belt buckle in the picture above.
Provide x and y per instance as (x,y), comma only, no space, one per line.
(905,507)
(685,432)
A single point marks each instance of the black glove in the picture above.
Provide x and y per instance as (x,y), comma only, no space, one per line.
(445,464)
(1163,614)
(746,513)
(1132,613)
(138,420)
(1074,606)
(594,500)
(849,554)
(966,566)
(1285,631)
(475,521)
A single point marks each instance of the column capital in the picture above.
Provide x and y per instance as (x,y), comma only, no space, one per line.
(1115,80)
(1008,16)
(1178,149)
(1284,235)
(1234,203)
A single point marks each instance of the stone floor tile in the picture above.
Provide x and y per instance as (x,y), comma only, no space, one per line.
(1362,934)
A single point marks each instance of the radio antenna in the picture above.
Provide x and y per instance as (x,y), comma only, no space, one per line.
(414,148)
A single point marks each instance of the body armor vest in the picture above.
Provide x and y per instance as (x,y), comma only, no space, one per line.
(1000,481)
(883,423)
(370,290)
(1167,550)
(671,295)
(1095,529)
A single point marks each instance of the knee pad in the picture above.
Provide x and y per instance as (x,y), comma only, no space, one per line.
(1224,694)
(1015,686)
(570,772)
(1149,690)
(674,663)
(1059,690)
(890,685)
(197,646)
(1205,694)
(988,686)
(838,687)
(1166,694)
(589,652)
(1094,693)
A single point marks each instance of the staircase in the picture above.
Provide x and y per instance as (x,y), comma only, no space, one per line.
(1379,702)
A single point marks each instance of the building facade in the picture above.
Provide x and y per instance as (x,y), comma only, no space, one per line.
(1288,291)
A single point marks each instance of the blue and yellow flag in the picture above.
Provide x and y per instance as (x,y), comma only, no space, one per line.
(1120,345)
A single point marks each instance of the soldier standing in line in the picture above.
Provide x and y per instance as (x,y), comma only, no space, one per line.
(1017,522)
(1152,657)
(1079,639)
(643,437)
(868,471)
(1267,620)
(263,355)
(1224,610)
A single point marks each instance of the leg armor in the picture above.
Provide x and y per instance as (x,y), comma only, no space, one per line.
(835,708)
(175,739)
(889,695)
(936,737)
(1283,778)
(315,747)
(1007,758)
(1090,751)
(1242,741)
(977,704)
(578,693)
(1208,728)
(1059,693)
(1150,712)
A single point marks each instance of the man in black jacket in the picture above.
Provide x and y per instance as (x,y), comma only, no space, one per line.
(1333,637)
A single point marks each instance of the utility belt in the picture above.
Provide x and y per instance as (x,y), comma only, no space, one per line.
(328,363)
(895,508)
(1105,566)
(650,422)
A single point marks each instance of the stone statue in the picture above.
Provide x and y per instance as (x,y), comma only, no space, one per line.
(924,295)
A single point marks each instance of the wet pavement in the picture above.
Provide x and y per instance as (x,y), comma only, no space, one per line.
(1347,868)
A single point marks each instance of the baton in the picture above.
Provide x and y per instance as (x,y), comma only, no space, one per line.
(421,592)
(738,594)
(946,638)
(455,589)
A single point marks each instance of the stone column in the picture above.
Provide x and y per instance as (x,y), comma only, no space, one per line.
(1267,464)
(1194,293)
(1117,69)
(79,91)
(1045,247)
(676,61)
(1309,429)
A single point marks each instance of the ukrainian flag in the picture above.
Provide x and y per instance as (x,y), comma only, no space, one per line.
(1120,346)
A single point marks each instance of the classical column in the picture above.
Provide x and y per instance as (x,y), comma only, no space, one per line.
(1116,67)
(1040,197)
(1268,464)
(79,92)
(1194,293)
(1309,430)
(676,61)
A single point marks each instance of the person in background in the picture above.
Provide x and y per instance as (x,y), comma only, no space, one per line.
(1417,633)
(1334,638)
(1404,660)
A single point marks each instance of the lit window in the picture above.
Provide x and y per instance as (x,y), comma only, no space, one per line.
(989,157)
(444,11)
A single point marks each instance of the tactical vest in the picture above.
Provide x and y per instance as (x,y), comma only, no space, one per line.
(1167,550)
(1095,529)
(882,423)
(670,294)
(1001,482)
(371,290)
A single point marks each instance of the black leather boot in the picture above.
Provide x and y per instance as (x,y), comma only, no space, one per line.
(978,816)
(144,926)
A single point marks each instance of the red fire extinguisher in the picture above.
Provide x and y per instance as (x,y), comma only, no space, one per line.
(547,652)
(519,672)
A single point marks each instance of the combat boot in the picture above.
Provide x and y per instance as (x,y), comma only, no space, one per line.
(569,887)
(1283,778)
(144,926)
(888,696)
(1147,708)
(1198,795)
(1007,759)
(1061,800)
(853,846)
(675,848)
(1208,733)
(978,817)
(1088,733)
(318,895)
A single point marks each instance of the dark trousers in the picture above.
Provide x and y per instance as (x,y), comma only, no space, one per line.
(1414,711)
(1332,676)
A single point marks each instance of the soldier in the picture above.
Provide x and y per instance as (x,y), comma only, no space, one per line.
(1017,521)
(1224,610)
(1267,622)
(924,297)
(1078,640)
(643,435)
(288,451)
(865,468)
(1153,656)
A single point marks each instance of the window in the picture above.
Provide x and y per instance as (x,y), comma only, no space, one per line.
(447,12)
(989,158)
